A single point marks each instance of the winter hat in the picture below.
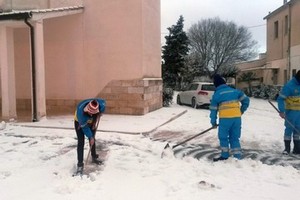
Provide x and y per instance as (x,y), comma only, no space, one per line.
(297,76)
(92,107)
(218,80)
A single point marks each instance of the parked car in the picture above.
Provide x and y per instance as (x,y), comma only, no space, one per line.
(197,94)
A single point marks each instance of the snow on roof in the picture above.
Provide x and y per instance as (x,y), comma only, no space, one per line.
(53,12)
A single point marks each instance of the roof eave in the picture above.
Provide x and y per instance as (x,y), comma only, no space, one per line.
(16,16)
(279,9)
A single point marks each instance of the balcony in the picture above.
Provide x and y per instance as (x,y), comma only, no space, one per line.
(21,5)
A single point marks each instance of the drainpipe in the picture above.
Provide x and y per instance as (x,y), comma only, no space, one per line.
(289,43)
(34,106)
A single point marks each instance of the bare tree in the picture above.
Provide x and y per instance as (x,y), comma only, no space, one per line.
(220,44)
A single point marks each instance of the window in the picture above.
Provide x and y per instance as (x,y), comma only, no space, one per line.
(294,72)
(193,87)
(276,29)
(275,76)
(286,25)
(208,87)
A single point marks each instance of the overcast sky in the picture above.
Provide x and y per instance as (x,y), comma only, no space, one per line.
(249,13)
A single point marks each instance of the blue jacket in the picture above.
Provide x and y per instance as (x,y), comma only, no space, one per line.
(289,96)
(85,120)
(226,100)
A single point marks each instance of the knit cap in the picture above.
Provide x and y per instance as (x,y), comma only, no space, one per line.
(218,80)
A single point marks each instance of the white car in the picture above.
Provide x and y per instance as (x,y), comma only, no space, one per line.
(197,94)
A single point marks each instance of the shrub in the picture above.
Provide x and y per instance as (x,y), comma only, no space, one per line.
(167,96)
(266,91)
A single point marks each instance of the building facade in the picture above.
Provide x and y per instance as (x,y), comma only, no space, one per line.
(283,47)
(54,53)
(283,40)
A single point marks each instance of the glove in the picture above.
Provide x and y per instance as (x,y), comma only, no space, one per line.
(213,122)
(92,141)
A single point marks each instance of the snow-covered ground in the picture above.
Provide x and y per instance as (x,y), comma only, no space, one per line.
(37,163)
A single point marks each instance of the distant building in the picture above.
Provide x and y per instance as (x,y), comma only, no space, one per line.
(258,67)
(283,40)
(54,53)
(282,58)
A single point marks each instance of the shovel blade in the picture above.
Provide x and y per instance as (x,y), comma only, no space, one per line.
(167,151)
(167,146)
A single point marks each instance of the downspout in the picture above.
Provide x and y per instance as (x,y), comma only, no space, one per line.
(289,43)
(34,106)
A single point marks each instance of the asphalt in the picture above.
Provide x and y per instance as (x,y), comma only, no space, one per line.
(127,124)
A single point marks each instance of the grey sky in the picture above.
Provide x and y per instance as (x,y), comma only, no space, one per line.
(249,13)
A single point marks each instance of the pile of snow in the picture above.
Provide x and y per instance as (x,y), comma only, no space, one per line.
(37,163)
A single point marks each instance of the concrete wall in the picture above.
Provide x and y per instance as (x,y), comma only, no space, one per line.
(277,47)
(295,56)
(283,52)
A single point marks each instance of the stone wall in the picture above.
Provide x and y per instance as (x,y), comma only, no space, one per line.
(128,97)
(132,97)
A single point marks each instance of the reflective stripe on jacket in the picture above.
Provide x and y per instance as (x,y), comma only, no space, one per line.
(229,102)
(289,96)
(229,109)
(292,103)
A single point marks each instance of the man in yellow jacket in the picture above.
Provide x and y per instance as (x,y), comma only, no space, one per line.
(230,104)
(289,109)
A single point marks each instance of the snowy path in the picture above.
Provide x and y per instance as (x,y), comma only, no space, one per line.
(37,163)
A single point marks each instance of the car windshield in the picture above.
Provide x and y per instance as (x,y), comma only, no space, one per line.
(193,87)
(208,87)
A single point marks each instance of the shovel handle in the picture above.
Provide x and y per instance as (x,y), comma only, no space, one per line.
(290,123)
(194,136)
(273,106)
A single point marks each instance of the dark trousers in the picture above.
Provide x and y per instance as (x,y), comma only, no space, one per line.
(80,144)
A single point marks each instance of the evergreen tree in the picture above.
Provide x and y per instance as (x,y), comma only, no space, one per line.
(173,55)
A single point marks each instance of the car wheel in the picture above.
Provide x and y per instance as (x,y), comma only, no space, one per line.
(194,105)
(178,100)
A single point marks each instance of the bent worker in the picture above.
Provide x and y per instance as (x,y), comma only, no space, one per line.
(87,116)
(230,103)
(289,109)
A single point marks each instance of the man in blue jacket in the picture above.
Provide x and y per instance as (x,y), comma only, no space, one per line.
(230,104)
(86,121)
(289,109)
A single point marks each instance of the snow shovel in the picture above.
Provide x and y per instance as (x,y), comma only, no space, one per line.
(290,123)
(168,147)
(95,127)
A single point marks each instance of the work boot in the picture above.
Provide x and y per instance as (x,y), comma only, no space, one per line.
(80,164)
(287,147)
(96,161)
(79,168)
(238,156)
(219,159)
(296,149)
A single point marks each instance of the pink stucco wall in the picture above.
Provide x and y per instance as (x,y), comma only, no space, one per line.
(110,40)
(110,50)
(22,63)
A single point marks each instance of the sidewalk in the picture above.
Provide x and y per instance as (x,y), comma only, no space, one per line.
(129,124)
